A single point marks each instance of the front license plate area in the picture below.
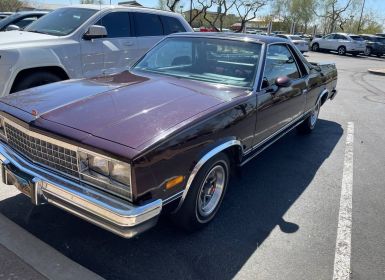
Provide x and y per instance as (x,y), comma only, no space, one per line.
(21,180)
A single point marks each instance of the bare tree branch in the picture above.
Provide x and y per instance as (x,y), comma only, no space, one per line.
(248,10)
(172,4)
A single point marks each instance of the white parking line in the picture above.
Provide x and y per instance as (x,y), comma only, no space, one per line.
(344,231)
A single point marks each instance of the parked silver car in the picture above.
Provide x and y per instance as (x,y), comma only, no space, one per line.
(20,20)
(80,42)
(301,44)
(340,42)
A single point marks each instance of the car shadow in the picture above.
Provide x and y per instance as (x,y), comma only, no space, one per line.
(360,56)
(254,205)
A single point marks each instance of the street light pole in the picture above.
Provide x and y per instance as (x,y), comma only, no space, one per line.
(362,11)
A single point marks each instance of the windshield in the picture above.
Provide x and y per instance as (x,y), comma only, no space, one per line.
(8,19)
(204,59)
(357,38)
(61,22)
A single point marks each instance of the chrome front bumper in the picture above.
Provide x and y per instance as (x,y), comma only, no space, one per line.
(95,206)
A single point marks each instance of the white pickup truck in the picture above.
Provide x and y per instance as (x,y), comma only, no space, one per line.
(80,42)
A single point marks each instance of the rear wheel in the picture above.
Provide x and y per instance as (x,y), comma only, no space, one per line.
(35,79)
(205,194)
(368,51)
(309,123)
(341,50)
(315,47)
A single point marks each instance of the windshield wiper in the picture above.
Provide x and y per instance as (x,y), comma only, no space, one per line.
(35,31)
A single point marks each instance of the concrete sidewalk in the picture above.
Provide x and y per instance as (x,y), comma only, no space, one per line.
(377,71)
(12,267)
(23,256)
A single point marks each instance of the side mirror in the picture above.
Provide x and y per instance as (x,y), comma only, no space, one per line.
(94,32)
(12,27)
(283,81)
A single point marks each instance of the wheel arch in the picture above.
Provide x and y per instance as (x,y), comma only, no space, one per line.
(57,70)
(323,97)
(232,148)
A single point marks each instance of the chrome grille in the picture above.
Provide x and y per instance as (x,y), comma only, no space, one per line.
(43,152)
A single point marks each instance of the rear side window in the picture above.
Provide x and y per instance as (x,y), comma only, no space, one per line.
(340,37)
(117,24)
(171,25)
(280,62)
(147,25)
(357,38)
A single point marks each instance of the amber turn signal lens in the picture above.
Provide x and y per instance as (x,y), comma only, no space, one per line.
(173,182)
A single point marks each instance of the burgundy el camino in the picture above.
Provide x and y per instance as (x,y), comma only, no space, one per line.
(116,150)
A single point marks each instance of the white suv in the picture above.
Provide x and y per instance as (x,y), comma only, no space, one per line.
(341,42)
(81,41)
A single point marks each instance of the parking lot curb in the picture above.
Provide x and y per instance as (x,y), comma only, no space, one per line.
(40,256)
(380,72)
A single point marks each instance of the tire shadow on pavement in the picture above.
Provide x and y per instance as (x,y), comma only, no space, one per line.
(253,206)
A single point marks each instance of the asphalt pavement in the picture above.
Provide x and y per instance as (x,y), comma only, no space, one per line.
(279,220)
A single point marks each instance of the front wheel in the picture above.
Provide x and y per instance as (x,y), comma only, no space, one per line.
(341,50)
(205,194)
(315,47)
(308,125)
(35,79)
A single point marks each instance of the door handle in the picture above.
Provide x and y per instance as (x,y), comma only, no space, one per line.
(128,43)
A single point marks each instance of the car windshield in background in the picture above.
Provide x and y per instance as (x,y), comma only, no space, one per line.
(357,38)
(295,38)
(8,19)
(61,22)
(218,61)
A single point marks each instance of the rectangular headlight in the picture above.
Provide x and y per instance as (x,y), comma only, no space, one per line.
(2,128)
(109,174)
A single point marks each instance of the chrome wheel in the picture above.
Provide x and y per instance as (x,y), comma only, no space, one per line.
(211,190)
(314,115)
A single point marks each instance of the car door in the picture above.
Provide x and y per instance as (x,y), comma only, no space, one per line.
(328,42)
(115,52)
(119,46)
(148,30)
(340,40)
(279,107)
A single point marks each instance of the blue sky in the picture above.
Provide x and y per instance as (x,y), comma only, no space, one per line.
(378,6)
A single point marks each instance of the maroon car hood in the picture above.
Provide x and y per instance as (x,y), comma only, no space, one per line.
(127,109)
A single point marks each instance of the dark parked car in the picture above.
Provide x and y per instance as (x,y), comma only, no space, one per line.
(374,45)
(20,20)
(118,149)
(380,34)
